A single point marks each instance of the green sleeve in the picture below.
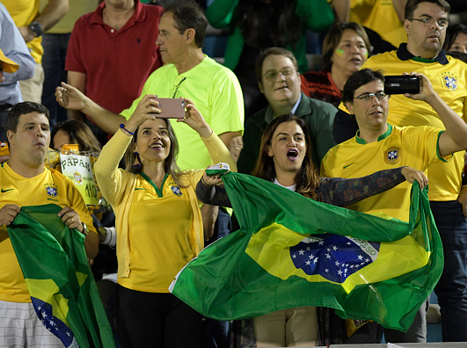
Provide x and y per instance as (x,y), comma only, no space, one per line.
(220,12)
(318,14)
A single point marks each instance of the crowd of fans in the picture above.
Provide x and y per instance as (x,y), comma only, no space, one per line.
(98,73)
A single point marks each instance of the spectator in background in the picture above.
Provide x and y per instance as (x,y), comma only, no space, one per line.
(345,49)
(55,44)
(383,21)
(258,24)
(279,81)
(456,38)
(111,53)
(32,23)
(18,65)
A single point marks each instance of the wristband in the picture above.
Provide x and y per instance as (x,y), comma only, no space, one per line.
(204,182)
(122,126)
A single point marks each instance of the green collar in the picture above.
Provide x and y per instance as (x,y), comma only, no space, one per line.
(158,190)
(424,60)
(381,137)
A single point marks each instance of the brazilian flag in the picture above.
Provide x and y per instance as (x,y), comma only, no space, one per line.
(291,251)
(58,277)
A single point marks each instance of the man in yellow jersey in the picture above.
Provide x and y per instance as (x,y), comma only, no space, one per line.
(31,24)
(379,145)
(425,24)
(25,181)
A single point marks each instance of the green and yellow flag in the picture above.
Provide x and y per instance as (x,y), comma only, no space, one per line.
(59,279)
(291,251)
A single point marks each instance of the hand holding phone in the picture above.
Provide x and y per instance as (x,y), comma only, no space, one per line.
(171,108)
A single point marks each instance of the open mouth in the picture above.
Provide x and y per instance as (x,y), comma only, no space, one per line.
(292,154)
(156,146)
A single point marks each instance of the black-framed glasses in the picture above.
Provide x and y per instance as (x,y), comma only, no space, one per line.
(369,96)
(177,86)
(428,21)
(272,74)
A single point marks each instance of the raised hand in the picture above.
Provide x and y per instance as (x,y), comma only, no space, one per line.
(147,109)
(70,97)
(426,88)
(195,120)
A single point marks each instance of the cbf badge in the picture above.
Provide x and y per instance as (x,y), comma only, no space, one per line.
(51,191)
(176,190)
(392,155)
(449,81)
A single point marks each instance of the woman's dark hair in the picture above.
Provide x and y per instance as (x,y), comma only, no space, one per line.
(264,25)
(307,179)
(357,80)
(79,133)
(451,34)
(170,166)
(334,36)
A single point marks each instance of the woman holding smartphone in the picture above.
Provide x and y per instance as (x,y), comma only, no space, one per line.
(158,224)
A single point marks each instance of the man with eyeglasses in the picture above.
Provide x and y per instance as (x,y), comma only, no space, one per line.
(279,81)
(425,24)
(381,145)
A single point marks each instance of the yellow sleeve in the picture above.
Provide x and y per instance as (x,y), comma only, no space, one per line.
(109,177)
(219,152)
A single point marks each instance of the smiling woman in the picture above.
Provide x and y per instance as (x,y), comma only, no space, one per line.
(158,223)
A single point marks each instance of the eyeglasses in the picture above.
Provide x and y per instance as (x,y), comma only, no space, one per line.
(428,21)
(272,74)
(369,96)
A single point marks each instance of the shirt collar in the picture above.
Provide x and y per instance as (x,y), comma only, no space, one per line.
(381,137)
(138,16)
(291,188)
(404,54)
(295,107)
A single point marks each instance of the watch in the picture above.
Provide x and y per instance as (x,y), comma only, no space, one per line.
(85,229)
(36,27)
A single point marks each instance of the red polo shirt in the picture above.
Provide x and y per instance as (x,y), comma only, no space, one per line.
(116,63)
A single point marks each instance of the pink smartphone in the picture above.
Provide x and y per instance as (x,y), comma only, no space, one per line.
(171,108)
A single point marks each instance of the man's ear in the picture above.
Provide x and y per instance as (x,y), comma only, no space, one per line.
(349,106)
(260,85)
(10,136)
(190,34)
(407,26)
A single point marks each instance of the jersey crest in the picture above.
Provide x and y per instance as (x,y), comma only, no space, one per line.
(392,155)
(449,81)
(51,190)
(175,189)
